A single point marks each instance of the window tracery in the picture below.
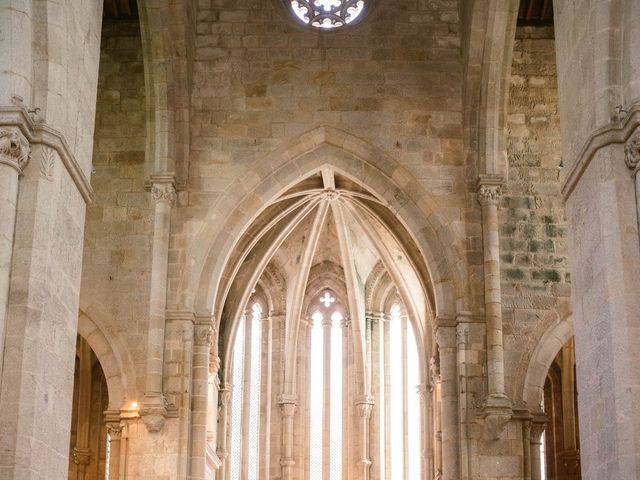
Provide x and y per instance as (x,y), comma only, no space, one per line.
(327,14)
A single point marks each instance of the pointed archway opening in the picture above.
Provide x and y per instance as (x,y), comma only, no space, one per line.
(325,357)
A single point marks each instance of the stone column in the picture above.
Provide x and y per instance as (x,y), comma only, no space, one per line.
(223,436)
(154,409)
(537,429)
(81,452)
(114,429)
(489,193)
(526,444)
(425,391)
(446,338)
(202,335)
(436,412)
(14,155)
(288,405)
(364,405)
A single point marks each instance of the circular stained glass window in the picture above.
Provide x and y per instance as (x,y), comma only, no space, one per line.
(327,14)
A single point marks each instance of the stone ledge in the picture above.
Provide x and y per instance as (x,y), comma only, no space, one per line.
(618,132)
(41,134)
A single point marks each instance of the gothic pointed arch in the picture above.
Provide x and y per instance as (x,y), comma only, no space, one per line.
(112,355)
(399,195)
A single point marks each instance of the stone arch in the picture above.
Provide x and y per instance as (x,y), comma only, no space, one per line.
(550,344)
(489,47)
(113,356)
(308,153)
(165,57)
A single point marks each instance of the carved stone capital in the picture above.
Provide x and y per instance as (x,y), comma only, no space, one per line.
(114,429)
(632,151)
(537,429)
(288,405)
(364,405)
(164,193)
(489,194)
(202,335)
(14,149)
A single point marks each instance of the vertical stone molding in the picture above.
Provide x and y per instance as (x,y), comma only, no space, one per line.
(154,409)
(489,193)
(14,156)
(288,405)
(364,406)
(446,339)
(114,429)
(537,428)
(202,336)
(222,447)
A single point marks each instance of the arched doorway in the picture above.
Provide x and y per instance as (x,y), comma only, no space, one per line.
(89,445)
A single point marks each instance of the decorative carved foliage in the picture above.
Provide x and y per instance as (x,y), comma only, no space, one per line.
(47,164)
(163,192)
(489,194)
(632,152)
(327,14)
(202,335)
(14,149)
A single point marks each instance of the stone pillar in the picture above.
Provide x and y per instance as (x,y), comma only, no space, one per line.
(526,444)
(81,452)
(537,429)
(446,338)
(14,155)
(425,391)
(154,409)
(202,335)
(288,405)
(601,205)
(462,336)
(436,412)
(41,317)
(489,192)
(114,429)
(364,406)
(223,435)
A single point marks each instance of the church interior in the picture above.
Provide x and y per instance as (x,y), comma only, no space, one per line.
(319,239)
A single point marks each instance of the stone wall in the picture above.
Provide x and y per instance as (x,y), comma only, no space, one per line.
(533,244)
(261,80)
(117,251)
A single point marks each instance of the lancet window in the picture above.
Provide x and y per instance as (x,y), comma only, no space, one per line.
(398,407)
(245,397)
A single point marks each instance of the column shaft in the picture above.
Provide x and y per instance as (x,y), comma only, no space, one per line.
(199,389)
(154,409)
(488,196)
(8,204)
(446,338)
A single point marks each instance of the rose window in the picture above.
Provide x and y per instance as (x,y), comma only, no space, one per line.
(327,14)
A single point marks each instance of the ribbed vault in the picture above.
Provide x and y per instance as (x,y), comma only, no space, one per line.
(326,232)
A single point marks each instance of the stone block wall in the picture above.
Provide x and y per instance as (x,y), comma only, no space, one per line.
(261,80)
(533,232)
(117,251)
